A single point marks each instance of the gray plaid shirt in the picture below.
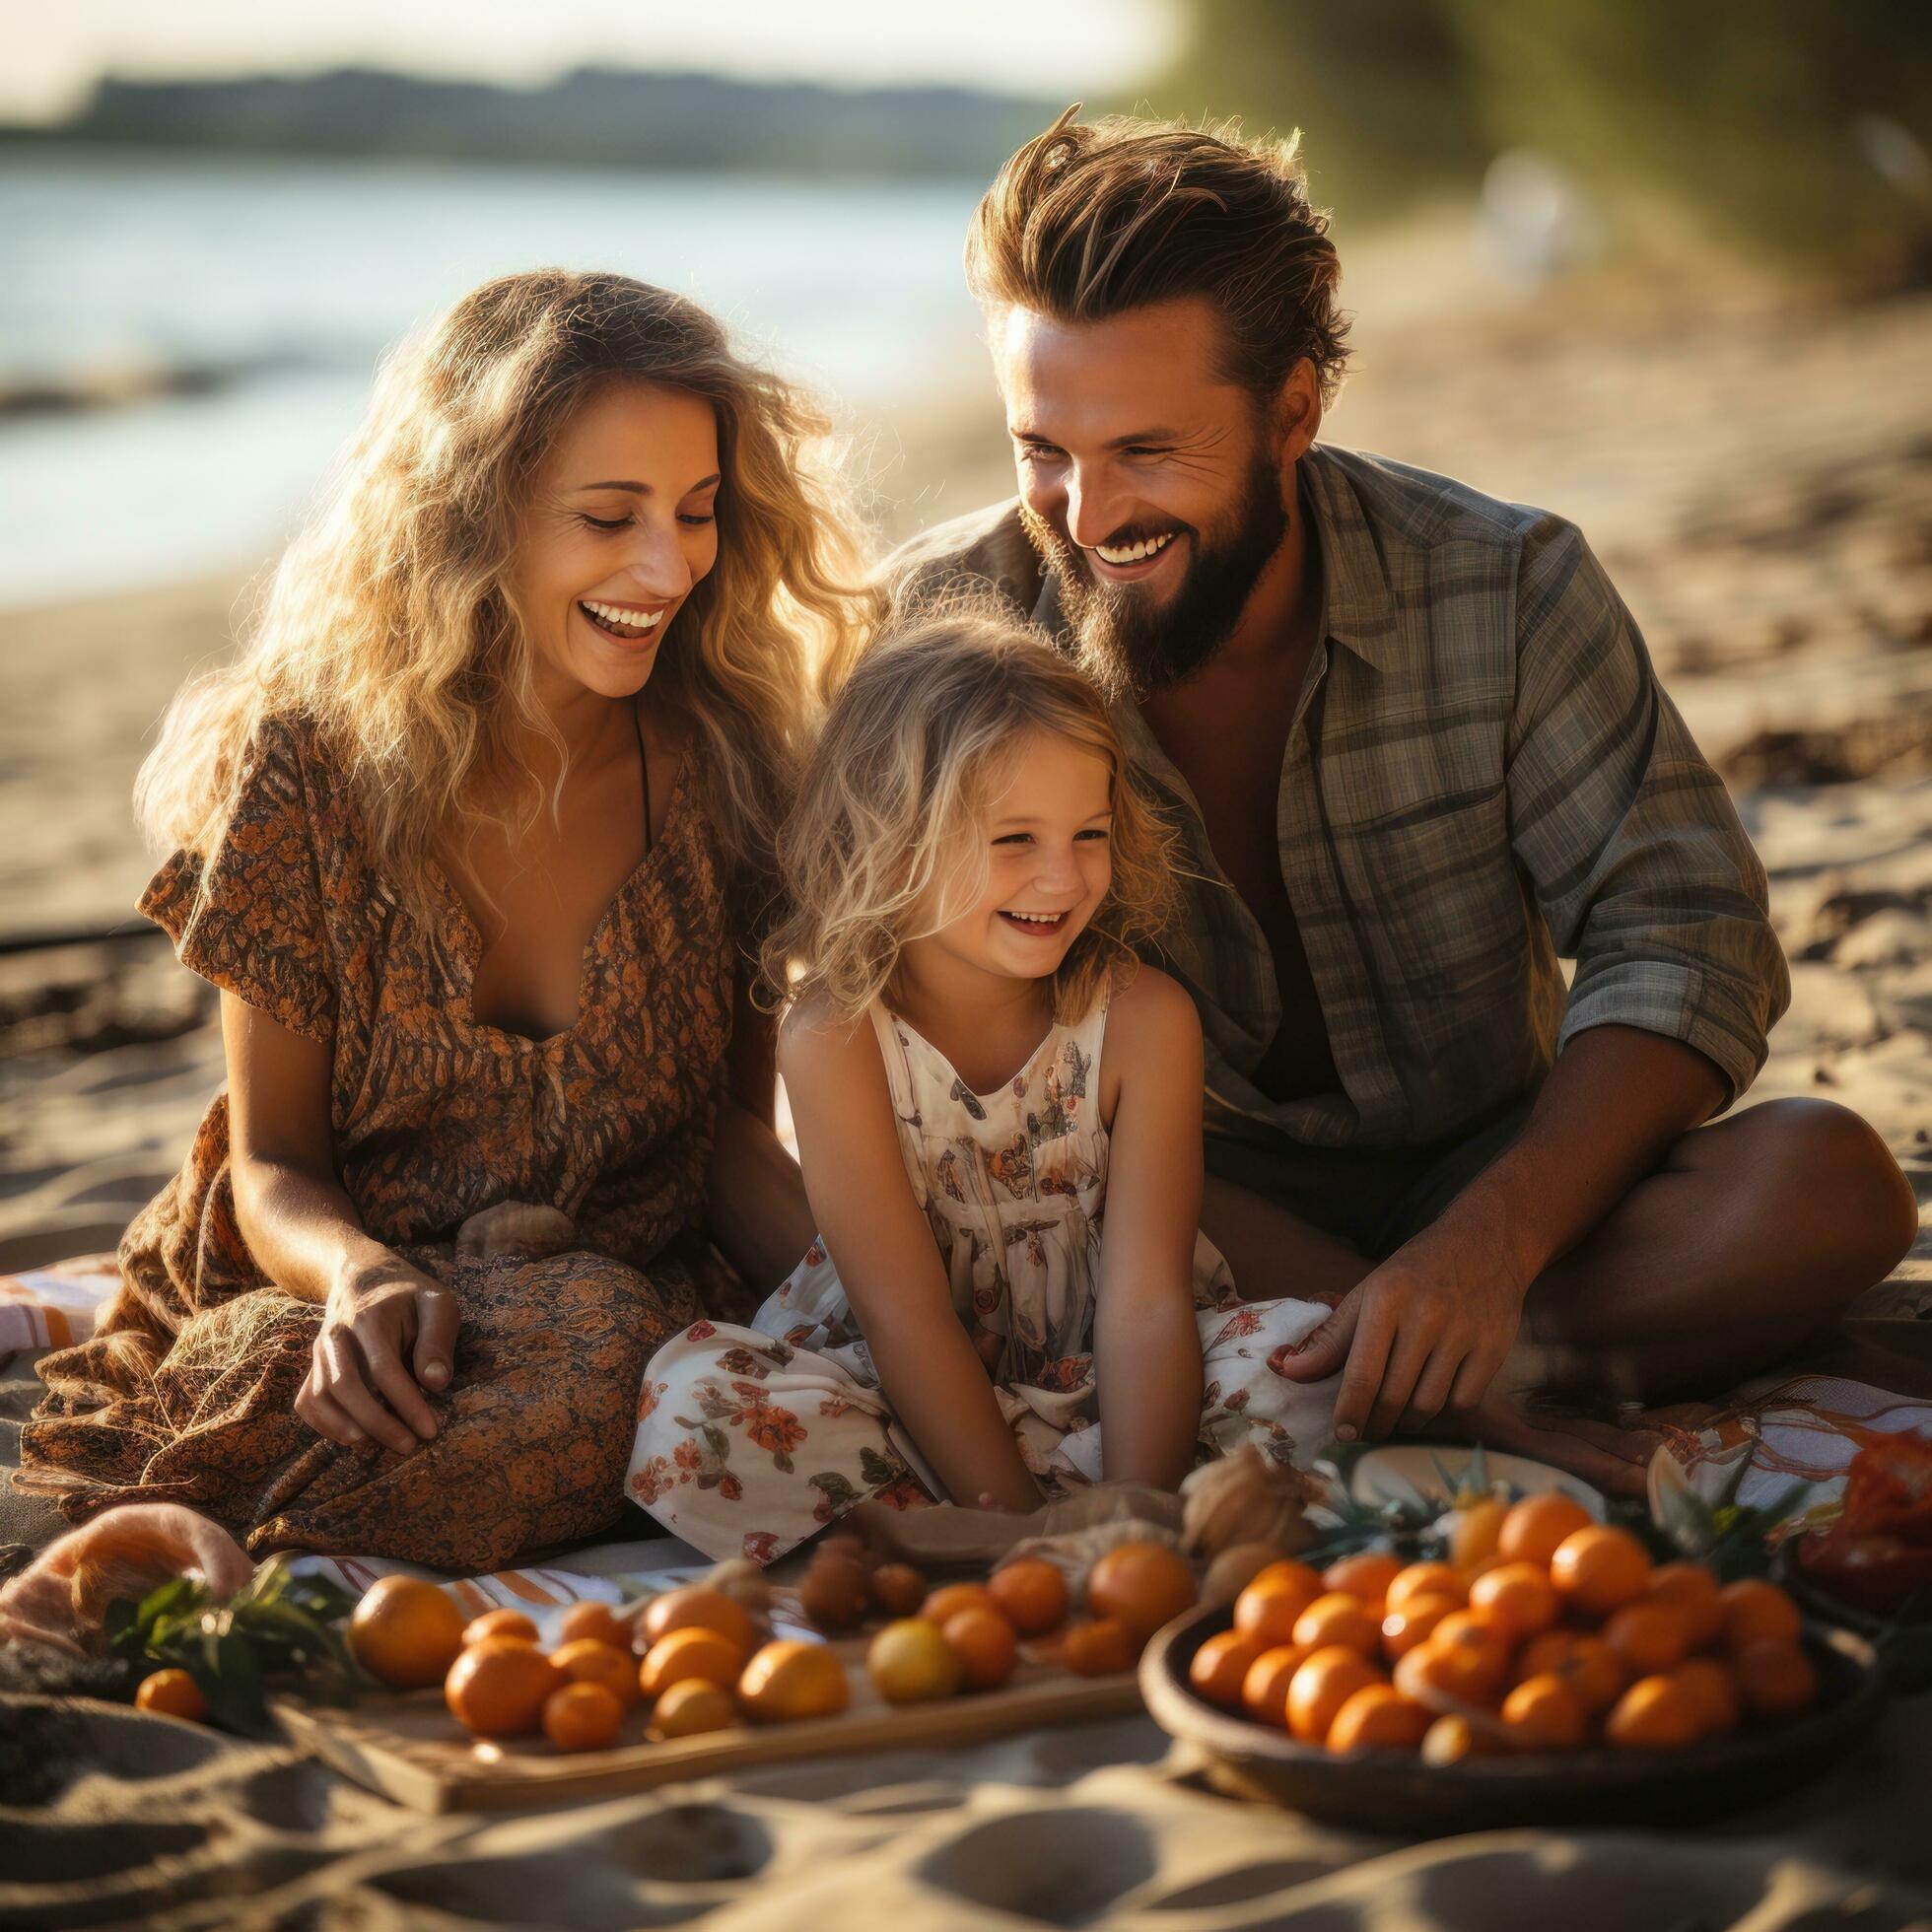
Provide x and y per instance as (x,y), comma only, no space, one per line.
(1484,775)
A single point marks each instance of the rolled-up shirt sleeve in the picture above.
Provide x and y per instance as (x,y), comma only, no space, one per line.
(1632,846)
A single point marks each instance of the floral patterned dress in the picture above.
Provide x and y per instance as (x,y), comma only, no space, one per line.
(187,1392)
(750,1439)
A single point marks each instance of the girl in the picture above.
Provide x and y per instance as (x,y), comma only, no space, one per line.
(983,1082)
(471,840)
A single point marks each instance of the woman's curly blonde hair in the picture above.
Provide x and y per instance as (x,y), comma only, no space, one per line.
(390,631)
(880,849)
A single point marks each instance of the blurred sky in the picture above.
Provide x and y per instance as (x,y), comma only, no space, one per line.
(55,53)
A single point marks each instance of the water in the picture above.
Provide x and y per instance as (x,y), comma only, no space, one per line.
(115,259)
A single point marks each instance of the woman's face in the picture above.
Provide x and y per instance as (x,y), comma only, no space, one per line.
(621,528)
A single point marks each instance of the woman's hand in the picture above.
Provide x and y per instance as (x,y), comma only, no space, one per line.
(388,1333)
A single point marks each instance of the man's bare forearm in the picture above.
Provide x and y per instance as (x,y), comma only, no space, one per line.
(1613,1103)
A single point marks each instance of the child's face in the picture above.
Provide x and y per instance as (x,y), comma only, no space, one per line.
(1046,839)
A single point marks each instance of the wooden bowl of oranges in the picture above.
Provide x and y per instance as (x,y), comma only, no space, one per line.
(1564,1677)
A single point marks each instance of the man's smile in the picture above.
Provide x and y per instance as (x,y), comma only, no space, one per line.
(1129,562)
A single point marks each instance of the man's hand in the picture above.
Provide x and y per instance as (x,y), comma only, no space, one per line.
(1422,1335)
(388,1333)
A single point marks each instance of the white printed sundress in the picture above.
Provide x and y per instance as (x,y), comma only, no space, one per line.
(751,1439)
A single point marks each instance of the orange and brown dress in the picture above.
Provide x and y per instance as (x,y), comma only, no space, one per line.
(187,1393)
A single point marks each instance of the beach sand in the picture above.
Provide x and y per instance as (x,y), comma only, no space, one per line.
(1754,469)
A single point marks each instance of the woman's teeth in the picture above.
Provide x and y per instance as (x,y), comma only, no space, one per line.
(619,621)
(1132,553)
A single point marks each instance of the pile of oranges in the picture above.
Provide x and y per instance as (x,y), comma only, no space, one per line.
(1554,1633)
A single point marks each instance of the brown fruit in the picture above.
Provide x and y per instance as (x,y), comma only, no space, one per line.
(511,1624)
(1141,1585)
(1098,1648)
(912,1663)
(693,1651)
(832,1593)
(1031,1594)
(689,1708)
(497,1689)
(1326,1681)
(897,1589)
(694,1608)
(589,1660)
(847,1544)
(1379,1717)
(790,1679)
(598,1621)
(985,1644)
(405,1632)
(583,1717)
(172,1693)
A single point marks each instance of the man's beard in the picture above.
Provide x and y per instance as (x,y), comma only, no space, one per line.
(1132,647)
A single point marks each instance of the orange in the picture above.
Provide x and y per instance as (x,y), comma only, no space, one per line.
(511,1624)
(1298,1579)
(173,1693)
(1449,1740)
(1339,1619)
(1220,1666)
(695,1650)
(405,1632)
(497,1689)
(1586,1663)
(1270,1612)
(1326,1681)
(789,1679)
(1475,1531)
(1534,1527)
(1031,1594)
(1265,1686)
(912,1663)
(691,1706)
(1649,1636)
(1599,1568)
(1425,1580)
(1519,1593)
(589,1660)
(1543,1714)
(1433,1672)
(1378,1718)
(582,1717)
(1415,1619)
(984,1642)
(1098,1648)
(1656,1713)
(1757,1612)
(897,1589)
(1142,1585)
(1691,1591)
(1365,1575)
(1481,1630)
(694,1608)
(596,1621)
(1713,1693)
(951,1598)
(1775,1679)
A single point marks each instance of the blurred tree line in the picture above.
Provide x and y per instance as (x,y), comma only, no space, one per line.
(1794,128)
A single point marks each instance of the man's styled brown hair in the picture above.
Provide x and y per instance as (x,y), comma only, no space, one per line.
(1090,220)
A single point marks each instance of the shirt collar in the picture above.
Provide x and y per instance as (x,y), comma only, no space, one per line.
(1357,606)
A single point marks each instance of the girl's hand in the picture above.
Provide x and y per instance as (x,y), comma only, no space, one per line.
(385,1330)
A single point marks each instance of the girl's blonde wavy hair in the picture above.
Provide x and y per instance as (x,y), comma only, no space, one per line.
(388,627)
(880,847)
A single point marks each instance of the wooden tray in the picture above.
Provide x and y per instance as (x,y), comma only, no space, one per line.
(409,1748)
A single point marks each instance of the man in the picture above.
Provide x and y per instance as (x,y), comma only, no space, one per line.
(1417,752)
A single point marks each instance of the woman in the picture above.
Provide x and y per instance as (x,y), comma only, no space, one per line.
(472,840)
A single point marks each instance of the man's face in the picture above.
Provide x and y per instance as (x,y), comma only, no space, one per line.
(1150,483)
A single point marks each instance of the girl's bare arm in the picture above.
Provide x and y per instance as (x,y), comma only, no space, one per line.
(1147,1345)
(883,1249)
(389,1331)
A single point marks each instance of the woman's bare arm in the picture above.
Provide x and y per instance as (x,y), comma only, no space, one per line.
(1146,1347)
(301,1225)
(884,1252)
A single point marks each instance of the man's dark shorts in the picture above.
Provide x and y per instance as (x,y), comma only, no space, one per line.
(1374,1199)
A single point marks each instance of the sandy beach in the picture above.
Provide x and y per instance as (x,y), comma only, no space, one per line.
(1754,468)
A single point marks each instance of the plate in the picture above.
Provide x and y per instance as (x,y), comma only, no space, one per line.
(1394,1791)
(1406,1472)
